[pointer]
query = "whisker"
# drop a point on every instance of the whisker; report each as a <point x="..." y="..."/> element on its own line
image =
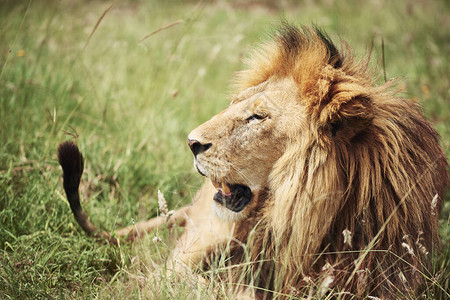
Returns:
<point x="246" y="180"/>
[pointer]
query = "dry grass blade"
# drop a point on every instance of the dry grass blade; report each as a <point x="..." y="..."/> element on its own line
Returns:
<point x="383" y="59"/>
<point x="52" y="117"/>
<point x="73" y="134"/>
<point x="160" y="29"/>
<point x="96" y="25"/>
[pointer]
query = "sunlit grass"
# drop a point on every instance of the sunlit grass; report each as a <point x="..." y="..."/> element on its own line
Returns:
<point x="131" y="104"/>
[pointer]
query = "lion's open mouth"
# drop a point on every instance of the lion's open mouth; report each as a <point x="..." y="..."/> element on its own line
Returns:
<point x="233" y="196"/>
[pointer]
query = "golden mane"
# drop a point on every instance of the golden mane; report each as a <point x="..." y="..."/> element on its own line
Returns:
<point x="361" y="195"/>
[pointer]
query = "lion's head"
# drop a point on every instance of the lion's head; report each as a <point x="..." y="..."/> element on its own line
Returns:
<point x="238" y="148"/>
<point x="310" y="148"/>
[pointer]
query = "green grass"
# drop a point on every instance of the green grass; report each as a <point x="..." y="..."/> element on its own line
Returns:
<point x="131" y="104"/>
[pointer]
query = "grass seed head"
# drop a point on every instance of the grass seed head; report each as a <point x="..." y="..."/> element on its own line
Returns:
<point x="347" y="237"/>
<point x="162" y="204"/>
<point x="434" y="203"/>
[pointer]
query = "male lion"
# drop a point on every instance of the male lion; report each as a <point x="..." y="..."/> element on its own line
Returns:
<point x="316" y="175"/>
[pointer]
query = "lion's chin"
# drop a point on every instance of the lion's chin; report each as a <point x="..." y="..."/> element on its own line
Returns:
<point x="234" y="197"/>
<point x="225" y="214"/>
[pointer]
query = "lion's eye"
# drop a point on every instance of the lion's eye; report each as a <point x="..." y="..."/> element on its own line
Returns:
<point x="255" y="117"/>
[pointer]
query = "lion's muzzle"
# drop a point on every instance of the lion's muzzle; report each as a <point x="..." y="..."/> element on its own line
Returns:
<point x="234" y="197"/>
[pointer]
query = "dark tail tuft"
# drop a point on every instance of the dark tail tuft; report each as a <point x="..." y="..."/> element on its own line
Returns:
<point x="72" y="163"/>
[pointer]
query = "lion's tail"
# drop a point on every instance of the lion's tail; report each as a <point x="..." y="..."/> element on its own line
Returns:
<point x="72" y="163"/>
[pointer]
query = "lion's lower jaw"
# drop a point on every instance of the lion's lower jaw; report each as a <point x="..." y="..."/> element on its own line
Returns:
<point x="226" y="214"/>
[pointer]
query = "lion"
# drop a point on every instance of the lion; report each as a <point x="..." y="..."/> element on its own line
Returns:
<point x="314" y="174"/>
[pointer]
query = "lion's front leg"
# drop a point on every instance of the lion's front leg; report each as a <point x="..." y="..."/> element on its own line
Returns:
<point x="139" y="229"/>
<point x="204" y="232"/>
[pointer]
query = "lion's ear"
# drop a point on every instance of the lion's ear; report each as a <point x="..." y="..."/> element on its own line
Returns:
<point x="346" y="114"/>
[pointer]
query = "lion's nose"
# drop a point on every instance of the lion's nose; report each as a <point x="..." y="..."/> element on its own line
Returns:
<point x="197" y="147"/>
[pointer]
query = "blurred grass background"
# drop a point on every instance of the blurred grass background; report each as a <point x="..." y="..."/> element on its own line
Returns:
<point x="130" y="104"/>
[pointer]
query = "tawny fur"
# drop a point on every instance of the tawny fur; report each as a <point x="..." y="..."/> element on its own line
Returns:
<point x="347" y="178"/>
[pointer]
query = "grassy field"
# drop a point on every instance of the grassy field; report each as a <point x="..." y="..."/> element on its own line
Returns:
<point x="130" y="102"/>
